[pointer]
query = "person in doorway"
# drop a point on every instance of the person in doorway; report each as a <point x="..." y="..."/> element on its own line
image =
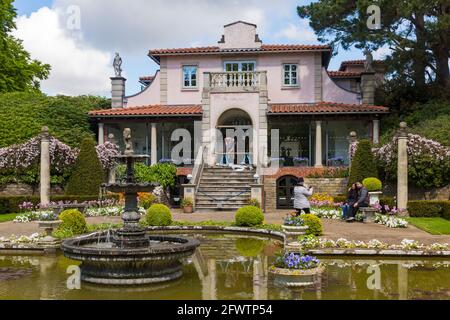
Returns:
<point x="362" y="202"/>
<point x="301" y="194"/>
<point x="352" y="197"/>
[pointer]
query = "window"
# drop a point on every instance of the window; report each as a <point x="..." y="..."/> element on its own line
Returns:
<point x="240" y="66"/>
<point x="190" y="77"/>
<point x="290" y="75"/>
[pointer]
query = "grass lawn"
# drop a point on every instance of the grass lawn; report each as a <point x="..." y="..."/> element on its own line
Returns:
<point x="435" y="226"/>
<point x="7" y="217"/>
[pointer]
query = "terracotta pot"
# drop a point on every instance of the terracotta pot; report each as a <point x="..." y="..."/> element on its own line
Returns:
<point x="188" y="209"/>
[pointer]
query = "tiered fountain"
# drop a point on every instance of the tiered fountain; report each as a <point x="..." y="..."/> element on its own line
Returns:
<point x="129" y="256"/>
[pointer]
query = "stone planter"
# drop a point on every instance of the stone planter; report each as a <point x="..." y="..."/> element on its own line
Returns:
<point x="292" y="233"/>
<point x="292" y="278"/>
<point x="49" y="226"/>
<point x="375" y="197"/>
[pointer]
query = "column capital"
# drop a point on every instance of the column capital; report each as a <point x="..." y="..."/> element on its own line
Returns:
<point x="45" y="134"/>
<point x="402" y="132"/>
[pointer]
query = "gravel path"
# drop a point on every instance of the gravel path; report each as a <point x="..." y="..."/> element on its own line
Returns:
<point x="333" y="229"/>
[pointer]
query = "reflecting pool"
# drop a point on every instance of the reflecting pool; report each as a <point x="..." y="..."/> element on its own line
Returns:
<point x="236" y="267"/>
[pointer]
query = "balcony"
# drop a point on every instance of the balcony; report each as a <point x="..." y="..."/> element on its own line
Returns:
<point x="236" y="81"/>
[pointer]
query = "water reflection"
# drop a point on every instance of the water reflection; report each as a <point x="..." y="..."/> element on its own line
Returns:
<point x="234" y="267"/>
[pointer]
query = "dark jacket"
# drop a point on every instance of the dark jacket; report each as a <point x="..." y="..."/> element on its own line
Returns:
<point x="363" y="197"/>
<point x="352" y="196"/>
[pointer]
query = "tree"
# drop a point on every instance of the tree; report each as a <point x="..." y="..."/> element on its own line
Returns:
<point x="418" y="32"/>
<point x="18" y="71"/>
<point x="88" y="174"/>
<point x="363" y="164"/>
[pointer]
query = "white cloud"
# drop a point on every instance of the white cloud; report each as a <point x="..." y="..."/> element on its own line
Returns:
<point x="382" y="53"/>
<point x="300" y="33"/>
<point x="76" y="67"/>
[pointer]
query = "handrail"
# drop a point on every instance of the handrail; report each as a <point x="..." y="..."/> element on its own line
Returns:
<point x="199" y="166"/>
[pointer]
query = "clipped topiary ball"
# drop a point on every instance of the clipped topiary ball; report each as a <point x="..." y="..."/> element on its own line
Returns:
<point x="249" y="216"/>
<point x="372" y="184"/>
<point x="314" y="223"/>
<point x="158" y="215"/>
<point x="73" y="221"/>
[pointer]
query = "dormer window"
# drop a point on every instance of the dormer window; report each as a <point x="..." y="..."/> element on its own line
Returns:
<point x="290" y="75"/>
<point x="190" y="77"/>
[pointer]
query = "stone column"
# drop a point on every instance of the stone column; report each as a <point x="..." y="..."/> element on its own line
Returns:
<point x="402" y="175"/>
<point x="353" y="140"/>
<point x="368" y="87"/>
<point x="118" y="92"/>
<point x="189" y="192"/>
<point x="45" y="167"/>
<point x="257" y="191"/>
<point x="112" y="171"/>
<point x="376" y="131"/>
<point x="319" y="145"/>
<point x="101" y="133"/>
<point x="154" y="145"/>
<point x="402" y="277"/>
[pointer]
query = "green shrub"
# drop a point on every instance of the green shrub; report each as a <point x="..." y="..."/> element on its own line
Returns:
<point x="248" y="247"/>
<point x="158" y="215"/>
<point x="72" y="221"/>
<point x="146" y="200"/>
<point x="249" y="216"/>
<point x="340" y="198"/>
<point x="425" y="209"/>
<point x="363" y="164"/>
<point x="314" y="223"/>
<point x="372" y="184"/>
<point x="88" y="174"/>
<point x="446" y="210"/>
<point x="188" y="202"/>
<point x="388" y="201"/>
<point x="163" y="173"/>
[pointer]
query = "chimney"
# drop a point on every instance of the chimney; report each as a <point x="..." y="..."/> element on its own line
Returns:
<point x="368" y="85"/>
<point x="118" y="92"/>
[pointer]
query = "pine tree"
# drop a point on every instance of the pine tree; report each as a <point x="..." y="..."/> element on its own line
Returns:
<point x="363" y="165"/>
<point x="88" y="174"/>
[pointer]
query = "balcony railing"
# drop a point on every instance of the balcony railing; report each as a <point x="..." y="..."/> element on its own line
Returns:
<point x="230" y="81"/>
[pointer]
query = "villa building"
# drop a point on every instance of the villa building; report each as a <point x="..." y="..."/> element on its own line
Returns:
<point x="245" y="85"/>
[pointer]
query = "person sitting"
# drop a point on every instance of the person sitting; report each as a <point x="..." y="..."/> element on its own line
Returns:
<point x="362" y="202"/>
<point x="352" y="197"/>
<point x="301" y="194"/>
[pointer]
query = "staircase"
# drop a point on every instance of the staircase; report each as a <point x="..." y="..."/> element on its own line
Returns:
<point x="221" y="188"/>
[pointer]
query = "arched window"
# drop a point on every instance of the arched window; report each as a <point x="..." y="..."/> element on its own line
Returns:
<point x="285" y="192"/>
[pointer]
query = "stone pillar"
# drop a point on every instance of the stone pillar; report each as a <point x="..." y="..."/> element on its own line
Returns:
<point x="353" y="140"/>
<point x="45" y="167"/>
<point x="118" y="92"/>
<point x="257" y="193"/>
<point x="112" y="171"/>
<point x="101" y="133"/>
<point x="402" y="175"/>
<point x="368" y="88"/>
<point x="154" y="145"/>
<point x="189" y="192"/>
<point x="319" y="145"/>
<point x="376" y="131"/>
<point x="402" y="278"/>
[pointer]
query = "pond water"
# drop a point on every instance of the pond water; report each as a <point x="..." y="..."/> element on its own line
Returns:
<point x="236" y="267"/>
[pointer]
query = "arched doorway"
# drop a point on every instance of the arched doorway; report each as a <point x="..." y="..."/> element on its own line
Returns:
<point x="285" y="192"/>
<point x="234" y="144"/>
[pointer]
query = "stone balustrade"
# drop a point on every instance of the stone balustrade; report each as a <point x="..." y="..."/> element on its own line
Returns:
<point x="248" y="80"/>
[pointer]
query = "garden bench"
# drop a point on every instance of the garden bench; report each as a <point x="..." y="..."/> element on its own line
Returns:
<point x="369" y="213"/>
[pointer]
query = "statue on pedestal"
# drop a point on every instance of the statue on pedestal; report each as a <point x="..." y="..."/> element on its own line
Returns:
<point x="127" y="141"/>
<point x="117" y="64"/>
<point x="368" y="64"/>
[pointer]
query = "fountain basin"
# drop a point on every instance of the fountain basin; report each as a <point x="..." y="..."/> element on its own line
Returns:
<point x="108" y="264"/>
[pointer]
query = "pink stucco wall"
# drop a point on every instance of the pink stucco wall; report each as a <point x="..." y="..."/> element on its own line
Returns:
<point x="333" y="93"/>
<point x="150" y="96"/>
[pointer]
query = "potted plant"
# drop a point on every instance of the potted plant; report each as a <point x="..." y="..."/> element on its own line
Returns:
<point x="296" y="269"/>
<point x="294" y="227"/>
<point x="374" y="186"/>
<point x="187" y="205"/>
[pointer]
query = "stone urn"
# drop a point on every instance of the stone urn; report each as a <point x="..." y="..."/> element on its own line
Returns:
<point x="293" y="278"/>
<point x="375" y="197"/>
<point x="292" y="233"/>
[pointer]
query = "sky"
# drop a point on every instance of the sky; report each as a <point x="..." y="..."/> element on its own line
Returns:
<point x="78" y="38"/>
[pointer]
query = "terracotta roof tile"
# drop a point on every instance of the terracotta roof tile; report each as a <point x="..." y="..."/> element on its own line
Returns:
<point x="325" y="108"/>
<point x="343" y="74"/>
<point x="264" y="48"/>
<point x="147" y="78"/>
<point x="357" y="63"/>
<point x="155" y="110"/>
